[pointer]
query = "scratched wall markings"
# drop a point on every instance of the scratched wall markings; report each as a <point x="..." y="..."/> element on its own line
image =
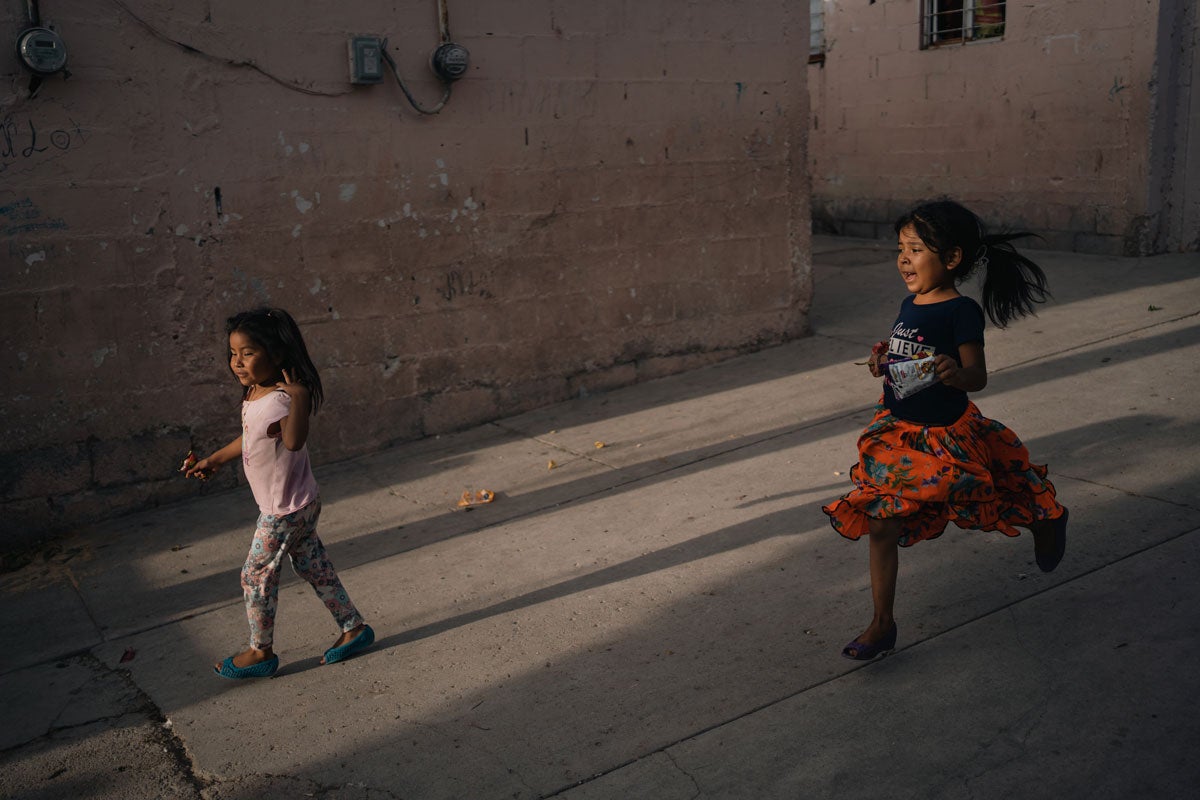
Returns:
<point x="462" y="284"/>
<point x="23" y="140"/>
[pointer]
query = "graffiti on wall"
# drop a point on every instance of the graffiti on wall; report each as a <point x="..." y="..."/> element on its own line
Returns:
<point x="462" y="284"/>
<point x="23" y="216"/>
<point x="24" y="140"/>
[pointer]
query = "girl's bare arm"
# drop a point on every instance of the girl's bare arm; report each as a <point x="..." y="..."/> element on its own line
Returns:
<point x="971" y="376"/>
<point x="206" y="466"/>
<point x="294" y="427"/>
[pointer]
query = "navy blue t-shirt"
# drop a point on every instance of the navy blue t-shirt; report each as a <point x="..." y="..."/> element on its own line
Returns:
<point x="933" y="329"/>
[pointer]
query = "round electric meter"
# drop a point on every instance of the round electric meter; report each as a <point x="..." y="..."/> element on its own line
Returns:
<point x="42" y="50"/>
<point x="450" y="61"/>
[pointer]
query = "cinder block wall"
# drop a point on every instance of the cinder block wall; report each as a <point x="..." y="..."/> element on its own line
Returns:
<point x="1047" y="128"/>
<point x="616" y="191"/>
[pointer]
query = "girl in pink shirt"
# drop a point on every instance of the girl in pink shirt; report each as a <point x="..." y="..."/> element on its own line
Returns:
<point x="280" y="390"/>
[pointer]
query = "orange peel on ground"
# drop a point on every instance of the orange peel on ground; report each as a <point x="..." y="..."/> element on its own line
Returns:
<point x="480" y="497"/>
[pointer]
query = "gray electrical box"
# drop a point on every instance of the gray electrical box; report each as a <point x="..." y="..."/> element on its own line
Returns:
<point x="366" y="59"/>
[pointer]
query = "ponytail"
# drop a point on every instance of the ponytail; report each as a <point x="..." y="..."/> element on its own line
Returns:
<point x="1012" y="285"/>
<point x="275" y="331"/>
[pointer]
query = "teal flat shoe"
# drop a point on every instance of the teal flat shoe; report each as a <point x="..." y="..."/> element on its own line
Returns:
<point x="263" y="669"/>
<point x="365" y="639"/>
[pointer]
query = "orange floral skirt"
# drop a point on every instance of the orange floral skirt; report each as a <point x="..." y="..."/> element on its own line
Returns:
<point x="974" y="472"/>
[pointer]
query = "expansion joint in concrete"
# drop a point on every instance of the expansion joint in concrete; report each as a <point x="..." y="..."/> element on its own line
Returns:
<point x="1129" y="493"/>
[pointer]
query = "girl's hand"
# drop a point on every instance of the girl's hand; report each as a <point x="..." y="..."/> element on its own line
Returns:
<point x="876" y="363"/>
<point x="202" y="469"/>
<point x="946" y="368"/>
<point x="971" y="376"/>
<point x="205" y="467"/>
<point x="294" y="389"/>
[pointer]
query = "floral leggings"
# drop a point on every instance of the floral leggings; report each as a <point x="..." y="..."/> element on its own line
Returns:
<point x="294" y="535"/>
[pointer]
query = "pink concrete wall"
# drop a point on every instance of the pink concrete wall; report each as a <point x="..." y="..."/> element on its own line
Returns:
<point x="616" y="191"/>
<point x="1048" y="127"/>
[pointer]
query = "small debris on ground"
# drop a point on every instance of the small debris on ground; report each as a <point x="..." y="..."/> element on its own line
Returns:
<point x="476" y="498"/>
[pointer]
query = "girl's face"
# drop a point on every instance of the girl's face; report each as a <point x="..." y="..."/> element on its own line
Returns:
<point x="922" y="269"/>
<point x="250" y="362"/>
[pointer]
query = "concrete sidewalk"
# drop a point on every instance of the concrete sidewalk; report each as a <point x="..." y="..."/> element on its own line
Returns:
<point x="661" y="617"/>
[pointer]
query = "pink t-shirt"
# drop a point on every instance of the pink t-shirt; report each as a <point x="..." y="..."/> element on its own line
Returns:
<point x="281" y="479"/>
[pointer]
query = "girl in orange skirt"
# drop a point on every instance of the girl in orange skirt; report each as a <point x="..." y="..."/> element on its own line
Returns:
<point x="929" y="457"/>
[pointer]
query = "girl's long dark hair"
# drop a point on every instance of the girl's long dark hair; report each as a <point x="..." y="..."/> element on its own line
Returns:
<point x="1012" y="284"/>
<point x="274" y="330"/>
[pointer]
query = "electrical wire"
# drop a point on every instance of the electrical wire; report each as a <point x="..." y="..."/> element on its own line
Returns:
<point x="232" y="62"/>
<point x="404" y="88"/>
<point x="444" y="32"/>
<point x="443" y="22"/>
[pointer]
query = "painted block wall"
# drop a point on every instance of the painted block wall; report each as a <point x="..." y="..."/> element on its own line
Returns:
<point x="1047" y="128"/>
<point x="615" y="191"/>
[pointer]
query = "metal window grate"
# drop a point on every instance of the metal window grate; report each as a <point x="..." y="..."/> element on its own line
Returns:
<point x="957" y="21"/>
<point x="816" y="30"/>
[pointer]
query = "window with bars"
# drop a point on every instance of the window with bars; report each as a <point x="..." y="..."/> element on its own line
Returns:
<point x="957" y="21"/>
<point x="816" y="31"/>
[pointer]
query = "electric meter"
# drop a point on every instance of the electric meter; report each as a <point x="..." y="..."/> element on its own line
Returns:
<point x="449" y="61"/>
<point x="42" y="50"/>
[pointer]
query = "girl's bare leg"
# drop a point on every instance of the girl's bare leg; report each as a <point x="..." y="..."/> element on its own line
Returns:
<point x="884" y="544"/>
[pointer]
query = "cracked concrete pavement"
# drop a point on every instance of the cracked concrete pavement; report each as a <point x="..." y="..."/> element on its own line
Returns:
<point x="661" y="617"/>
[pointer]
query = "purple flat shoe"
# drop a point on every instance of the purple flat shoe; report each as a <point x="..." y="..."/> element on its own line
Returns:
<point x="861" y="651"/>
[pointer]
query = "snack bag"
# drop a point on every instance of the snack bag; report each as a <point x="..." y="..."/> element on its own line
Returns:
<point x="190" y="461"/>
<point x="911" y="376"/>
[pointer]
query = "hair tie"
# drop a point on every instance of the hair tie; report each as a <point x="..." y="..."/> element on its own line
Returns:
<point x="981" y="259"/>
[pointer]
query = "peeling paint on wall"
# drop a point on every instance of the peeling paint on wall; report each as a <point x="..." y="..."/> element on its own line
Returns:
<point x="1049" y="41"/>
<point x="98" y="356"/>
<point x="249" y="282"/>
<point x="303" y="205"/>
